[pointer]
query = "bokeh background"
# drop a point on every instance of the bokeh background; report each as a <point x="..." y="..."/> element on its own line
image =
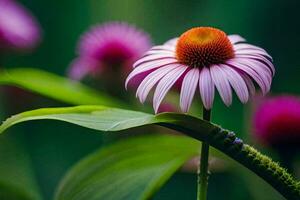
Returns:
<point x="50" y="148"/>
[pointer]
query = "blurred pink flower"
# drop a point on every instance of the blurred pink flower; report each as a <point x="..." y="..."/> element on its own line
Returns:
<point x="19" y="30"/>
<point x="203" y="58"/>
<point x="277" y="121"/>
<point x="166" y="107"/>
<point x="113" y="47"/>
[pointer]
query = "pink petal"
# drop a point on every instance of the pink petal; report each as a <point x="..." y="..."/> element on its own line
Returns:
<point x="252" y="52"/>
<point x="237" y="83"/>
<point x="221" y="82"/>
<point x="258" y="64"/>
<point x="136" y="80"/>
<point x="108" y="37"/>
<point x="249" y="83"/>
<point x="261" y="59"/>
<point x="207" y="88"/>
<point x="235" y="39"/>
<point x="252" y="73"/>
<point x="165" y="85"/>
<point x="171" y="42"/>
<point x="260" y="68"/>
<point x="151" y="58"/>
<point x="81" y="67"/>
<point x="149" y="81"/>
<point x="188" y="89"/>
<point x="148" y="66"/>
<point x="247" y="46"/>
<point x="163" y="47"/>
<point x="161" y="52"/>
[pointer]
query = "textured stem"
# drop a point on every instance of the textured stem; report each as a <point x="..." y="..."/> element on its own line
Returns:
<point x="227" y="142"/>
<point x="260" y="164"/>
<point x="203" y="173"/>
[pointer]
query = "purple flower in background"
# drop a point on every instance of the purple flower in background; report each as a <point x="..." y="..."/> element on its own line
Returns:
<point x="166" y="107"/>
<point x="111" y="47"/>
<point x="276" y="121"/>
<point x="19" y="30"/>
<point x="203" y="58"/>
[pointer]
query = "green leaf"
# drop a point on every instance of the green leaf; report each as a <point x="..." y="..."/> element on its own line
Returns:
<point x="112" y="119"/>
<point x="17" y="179"/>
<point x="130" y="169"/>
<point x="94" y="117"/>
<point x="56" y="87"/>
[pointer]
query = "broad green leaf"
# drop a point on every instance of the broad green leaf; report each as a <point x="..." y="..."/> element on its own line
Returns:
<point x="17" y="180"/>
<point x="94" y="117"/>
<point x="56" y="87"/>
<point x="130" y="169"/>
<point x="112" y="119"/>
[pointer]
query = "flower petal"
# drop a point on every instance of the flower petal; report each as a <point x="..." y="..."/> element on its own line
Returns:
<point x="159" y="51"/>
<point x="151" y="58"/>
<point x="188" y="89"/>
<point x="237" y="63"/>
<point x="171" y="42"/>
<point x="81" y="67"/>
<point x="249" y="83"/>
<point x="165" y="85"/>
<point x="237" y="83"/>
<point x="98" y="39"/>
<point x="149" y="81"/>
<point x="148" y="66"/>
<point x="163" y="47"/>
<point x="235" y="39"/>
<point x="259" y="64"/>
<point x="261" y="69"/>
<point x="207" y="88"/>
<point x="252" y="52"/>
<point x="221" y="82"/>
<point x="261" y="59"/>
<point x="240" y="46"/>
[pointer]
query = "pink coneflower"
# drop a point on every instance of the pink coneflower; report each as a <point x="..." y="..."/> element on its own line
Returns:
<point x="110" y="47"/>
<point x="276" y="121"/>
<point x="19" y="30"/>
<point x="203" y="58"/>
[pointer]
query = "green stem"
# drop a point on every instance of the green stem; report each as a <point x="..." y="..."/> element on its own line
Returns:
<point x="227" y="142"/>
<point x="203" y="173"/>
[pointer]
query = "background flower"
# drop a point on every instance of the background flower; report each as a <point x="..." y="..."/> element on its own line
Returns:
<point x="110" y="48"/>
<point x="19" y="30"/>
<point x="167" y="107"/>
<point x="276" y="121"/>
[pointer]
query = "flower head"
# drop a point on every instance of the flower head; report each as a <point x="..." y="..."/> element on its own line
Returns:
<point x="19" y="30"/>
<point x="277" y="121"/>
<point x="203" y="58"/>
<point x="113" y="46"/>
